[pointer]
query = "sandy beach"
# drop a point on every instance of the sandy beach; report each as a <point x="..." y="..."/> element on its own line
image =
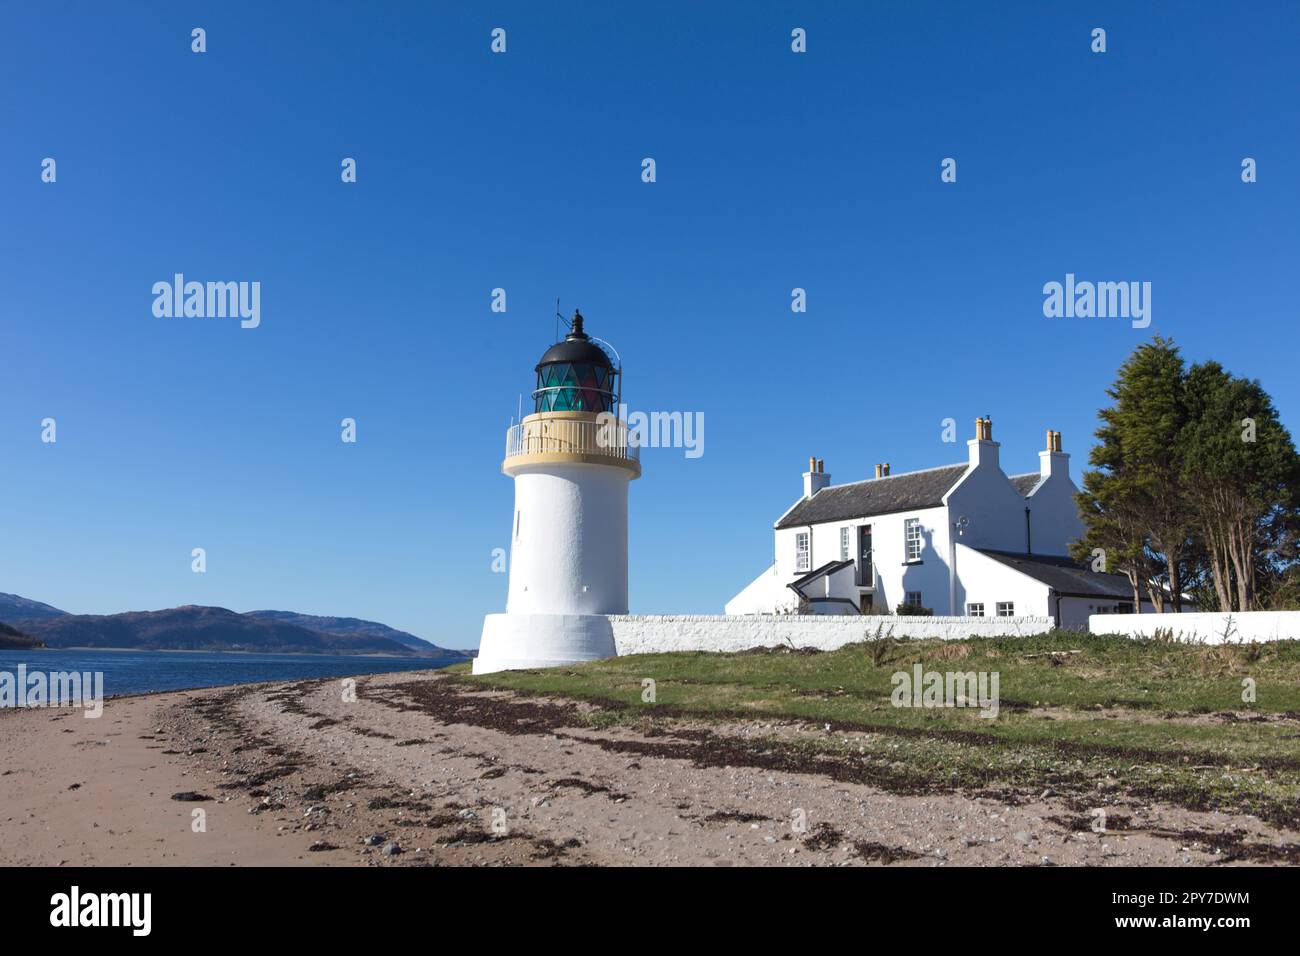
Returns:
<point x="421" y="769"/>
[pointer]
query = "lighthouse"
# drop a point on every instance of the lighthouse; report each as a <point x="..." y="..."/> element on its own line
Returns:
<point x="572" y="462"/>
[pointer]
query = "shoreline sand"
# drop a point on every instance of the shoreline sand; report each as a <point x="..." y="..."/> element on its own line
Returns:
<point x="422" y="769"/>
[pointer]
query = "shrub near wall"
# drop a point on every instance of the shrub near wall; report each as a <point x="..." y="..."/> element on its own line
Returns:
<point x="657" y="634"/>
<point x="1201" y="627"/>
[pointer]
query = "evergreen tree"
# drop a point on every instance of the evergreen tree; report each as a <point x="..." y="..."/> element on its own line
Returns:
<point x="1113" y="540"/>
<point x="1241" y="473"/>
<point x="1196" y="488"/>
<point x="1136" y="501"/>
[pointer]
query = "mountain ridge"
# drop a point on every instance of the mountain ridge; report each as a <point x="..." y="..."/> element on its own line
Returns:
<point x="192" y="627"/>
<point x="12" y="639"/>
<point x="14" y="607"/>
<point x="330" y="624"/>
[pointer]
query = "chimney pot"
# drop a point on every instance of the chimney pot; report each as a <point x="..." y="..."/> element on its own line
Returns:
<point x="816" y="478"/>
<point x="1053" y="461"/>
<point x="884" y="470"/>
<point x="983" y="449"/>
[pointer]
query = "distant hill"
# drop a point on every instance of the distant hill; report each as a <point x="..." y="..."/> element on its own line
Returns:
<point x="354" y="627"/>
<point x="15" y="608"/>
<point x="12" y="639"/>
<point x="195" y="628"/>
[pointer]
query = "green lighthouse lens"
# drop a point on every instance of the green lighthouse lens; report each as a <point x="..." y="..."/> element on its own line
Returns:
<point x="574" y="387"/>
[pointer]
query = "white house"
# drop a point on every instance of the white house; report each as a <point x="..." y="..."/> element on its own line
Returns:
<point x="961" y="539"/>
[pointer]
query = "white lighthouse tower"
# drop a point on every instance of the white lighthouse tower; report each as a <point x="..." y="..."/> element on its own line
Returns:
<point x="572" y="462"/>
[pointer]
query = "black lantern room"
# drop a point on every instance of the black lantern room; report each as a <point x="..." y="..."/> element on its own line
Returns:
<point x="576" y="375"/>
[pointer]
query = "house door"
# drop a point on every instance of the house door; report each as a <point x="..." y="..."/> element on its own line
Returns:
<point x="866" y="570"/>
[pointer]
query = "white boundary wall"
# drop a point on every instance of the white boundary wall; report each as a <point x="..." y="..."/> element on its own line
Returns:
<point x="1200" y="627"/>
<point x="658" y="634"/>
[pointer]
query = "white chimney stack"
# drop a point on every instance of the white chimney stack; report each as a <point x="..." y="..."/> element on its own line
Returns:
<point x="1052" y="461"/>
<point x="815" y="478"/>
<point x="983" y="449"/>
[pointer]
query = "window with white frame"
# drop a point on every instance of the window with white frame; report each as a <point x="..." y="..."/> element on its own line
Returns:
<point x="845" y="538"/>
<point x="1006" y="609"/>
<point x="975" y="610"/>
<point x="912" y="598"/>
<point x="912" y="535"/>
<point x="801" y="551"/>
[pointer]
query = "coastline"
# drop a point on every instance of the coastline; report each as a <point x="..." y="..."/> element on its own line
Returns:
<point x="450" y="773"/>
<point x="131" y="672"/>
<point x="90" y="649"/>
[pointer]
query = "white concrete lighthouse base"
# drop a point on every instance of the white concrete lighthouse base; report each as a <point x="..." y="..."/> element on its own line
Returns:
<point x="524" y="641"/>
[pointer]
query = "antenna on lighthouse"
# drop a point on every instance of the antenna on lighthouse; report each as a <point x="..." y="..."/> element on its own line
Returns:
<point x="559" y="317"/>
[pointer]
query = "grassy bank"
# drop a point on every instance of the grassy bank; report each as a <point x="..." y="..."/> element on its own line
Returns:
<point x="1103" y="719"/>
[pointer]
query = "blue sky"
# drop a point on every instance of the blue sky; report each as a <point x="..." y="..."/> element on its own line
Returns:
<point x="522" y="171"/>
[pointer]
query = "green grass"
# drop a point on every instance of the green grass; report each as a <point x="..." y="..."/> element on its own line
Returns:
<point x="1145" y="719"/>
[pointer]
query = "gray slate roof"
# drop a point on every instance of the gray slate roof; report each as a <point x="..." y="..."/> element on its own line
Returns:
<point x="1065" y="575"/>
<point x="830" y="567"/>
<point x="875" y="496"/>
<point x="1024" y="484"/>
